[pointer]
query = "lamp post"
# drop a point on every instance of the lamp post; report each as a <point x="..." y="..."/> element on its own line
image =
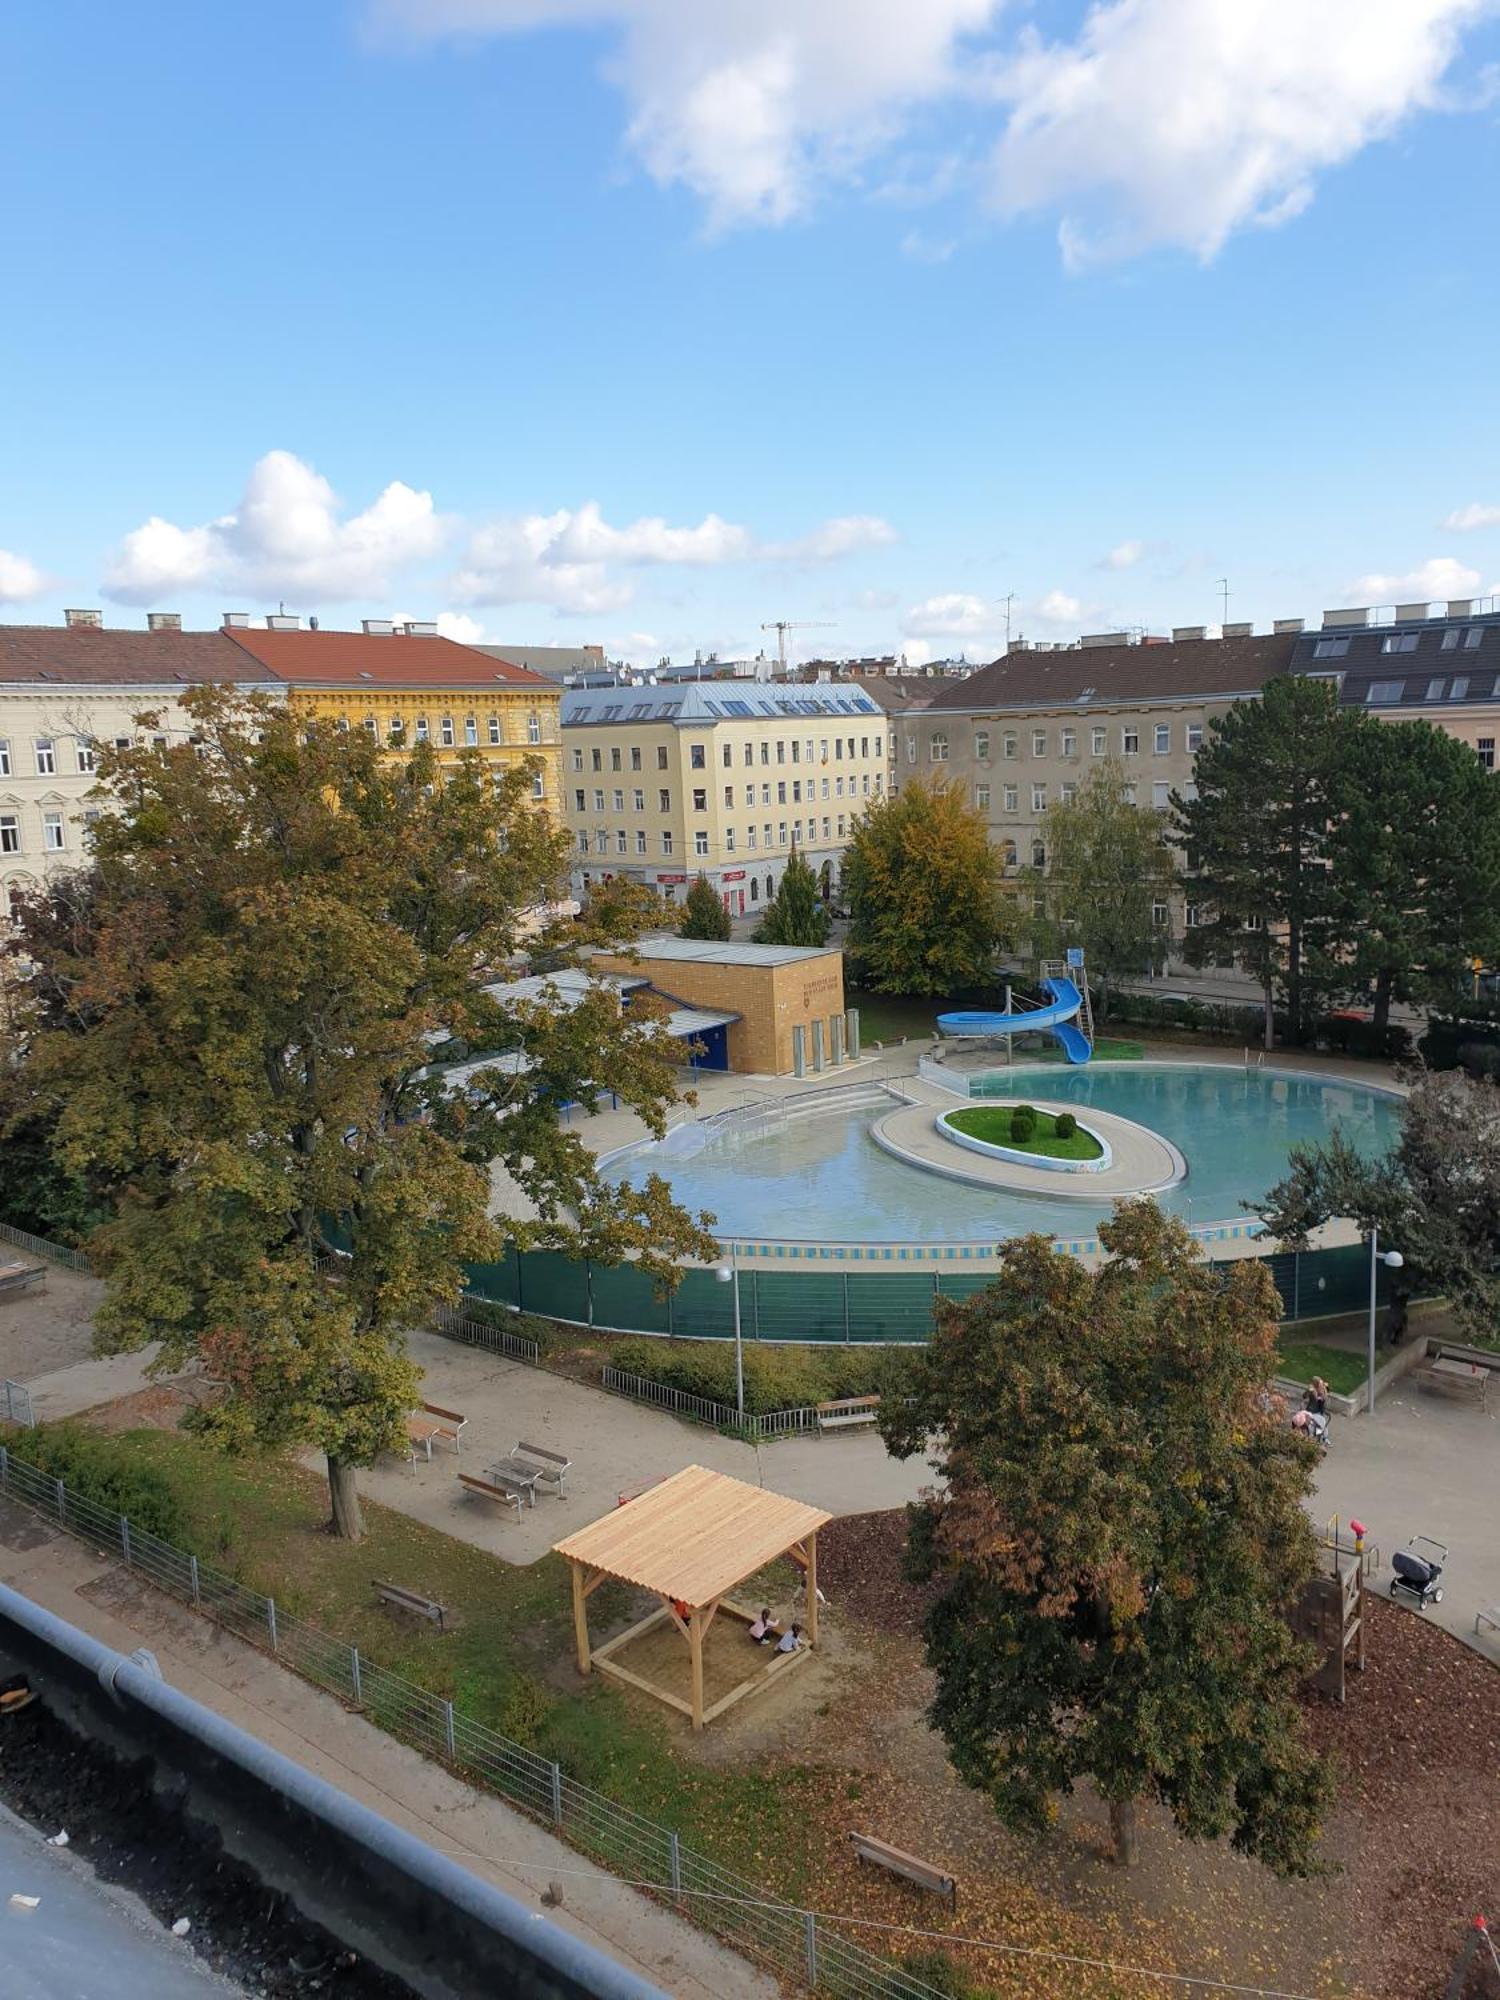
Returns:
<point x="728" y="1272"/>
<point x="1393" y="1260"/>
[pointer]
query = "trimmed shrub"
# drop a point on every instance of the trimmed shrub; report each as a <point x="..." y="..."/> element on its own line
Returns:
<point x="1023" y="1123"/>
<point x="101" y="1468"/>
<point x="1066" y="1126"/>
<point x="777" y="1377"/>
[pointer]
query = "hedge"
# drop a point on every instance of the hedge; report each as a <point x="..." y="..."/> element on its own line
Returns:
<point x="776" y="1377"/>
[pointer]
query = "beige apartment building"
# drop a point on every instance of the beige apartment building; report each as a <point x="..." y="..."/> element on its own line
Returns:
<point x="1021" y="735"/>
<point x="663" y="782"/>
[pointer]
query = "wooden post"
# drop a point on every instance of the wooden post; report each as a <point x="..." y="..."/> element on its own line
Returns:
<point x="581" y="1620"/>
<point x="695" y="1642"/>
<point x="812" y="1590"/>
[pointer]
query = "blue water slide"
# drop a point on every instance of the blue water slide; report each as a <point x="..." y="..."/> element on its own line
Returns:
<point x="1065" y="1002"/>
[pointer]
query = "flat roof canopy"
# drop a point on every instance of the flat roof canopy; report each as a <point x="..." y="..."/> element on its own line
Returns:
<point x="695" y="1536"/>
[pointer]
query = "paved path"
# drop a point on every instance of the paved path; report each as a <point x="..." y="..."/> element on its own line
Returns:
<point x="613" y="1444"/>
<point x="259" y="1695"/>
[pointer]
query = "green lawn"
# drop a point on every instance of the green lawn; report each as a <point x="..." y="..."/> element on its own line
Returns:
<point x="509" y="1660"/>
<point x="993" y="1124"/>
<point x="1342" y="1368"/>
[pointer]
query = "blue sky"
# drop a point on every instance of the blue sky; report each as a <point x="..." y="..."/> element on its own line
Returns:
<point x="644" y="322"/>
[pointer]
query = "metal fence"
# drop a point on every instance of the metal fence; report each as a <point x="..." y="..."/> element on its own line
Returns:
<point x="42" y="1246"/>
<point x="796" y="1944"/>
<point x="15" y="1403"/>
<point x="473" y="1332"/>
<point x="703" y="1410"/>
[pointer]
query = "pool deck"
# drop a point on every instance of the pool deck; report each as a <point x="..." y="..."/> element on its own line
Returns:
<point x="1142" y="1161"/>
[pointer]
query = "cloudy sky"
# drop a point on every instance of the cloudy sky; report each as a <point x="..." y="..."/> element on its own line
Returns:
<point x="647" y="321"/>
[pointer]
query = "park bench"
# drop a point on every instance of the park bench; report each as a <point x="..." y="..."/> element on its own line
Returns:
<point x="411" y="1600"/>
<point x="1490" y="1618"/>
<point x="554" y="1465"/>
<point x="433" y="1421"/>
<point x="1454" y="1378"/>
<point x="925" y="1874"/>
<point x="847" y="1413"/>
<point x="503" y="1491"/>
<point x="17" y="1278"/>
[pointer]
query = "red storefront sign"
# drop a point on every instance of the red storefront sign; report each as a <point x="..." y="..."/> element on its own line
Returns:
<point x="671" y="878"/>
<point x="733" y="875"/>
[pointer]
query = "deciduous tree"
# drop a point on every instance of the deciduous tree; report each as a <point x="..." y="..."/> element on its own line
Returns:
<point x="1120" y="1535"/>
<point x="923" y="885"/>
<point x="703" y="911"/>
<point x="236" y="1039"/>
<point x="795" y="914"/>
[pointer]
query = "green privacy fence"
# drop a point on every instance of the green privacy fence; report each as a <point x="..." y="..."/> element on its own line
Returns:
<point x="828" y="1305"/>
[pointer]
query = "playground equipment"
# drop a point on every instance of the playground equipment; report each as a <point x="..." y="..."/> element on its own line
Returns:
<point x="1064" y="1007"/>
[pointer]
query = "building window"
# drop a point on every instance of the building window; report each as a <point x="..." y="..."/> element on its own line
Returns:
<point x="533" y="729"/>
<point x="729" y="840"/>
<point x="700" y="843"/>
<point x="1190" y="916"/>
<point x="88" y="756"/>
<point x="445" y="732"/>
<point x="1130" y="795"/>
<point x="795" y="748"/>
<point x="1385" y="694"/>
<point x="617" y="759"/>
<point x="622" y="845"/>
<point x="750" y="837"/>
<point x="1038" y="742"/>
<point x="539" y="786"/>
<point x="596" y="760"/>
<point x="841" y="787"/>
<point x="635" y="756"/>
<point x="46" y="757"/>
<point x="937" y="749"/>
<point x="1330" y="649"/>
<point x="781" y="791"/>
<point x="911" y="749"/>
<point x="1038" y="854"/>
<point x="471" y="732"/>
<point x="841" y="826"/>
<point x="52" y="832"/>
<point x="1012" y="798"/>
<point x="619" y="800"/>
<point x="1162" y="741"/>
<point x="664" y="801"/>
<point x="577" y="760"/>
<point x="729" y="798"/>
<point x="754" y="879"/>
<point x="781" y="834"/>
<point x="698" y="756"/>
<point x="5" y="756"/>
<point x="1097" y="741"/>
<point x="578" y="799"/>
<point x="421" y="728"/>
<point x="1161" y="795"/>
<point x="1473" y="638"/>
<point x="640" y="840"/>
<point x="1130" y="742"/>
<point x="1070" y="743"/>
<point x="10" y="833"/>
<point x="495" y="737"/>
<point x="1008" y="743"/>
<point x="797" y="791"/>
<point x="666" y="844"/>
<point x="728" y="755"/>
<point x="1485" y="748"/>
<point x="638" y="799"/>
<point x="1068" y="792"/>
<point x="1436" y="690"/>
<point x="1458" y="688"/>
<point x="749" y="753"/>
<point x="981" y="798"/>
<point x="982" y="745"/>
<point x="765" y="752"/>
<point x="598" y="799"/>
<point x="1038" y="798"/>
<point x="700" y="801"/>
<point x="1193" y="736"/>
<point x="661" y="757"/>
<point x="1159" y="915"/>
<point x="1399" y="642"/>
<point x="583" y="843"/>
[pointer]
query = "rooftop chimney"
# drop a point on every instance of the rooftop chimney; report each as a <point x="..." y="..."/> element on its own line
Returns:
<point x="1405" y="613"/>
<point x="1460" y="607"/>
<point x="377" y="628"/>
<point x="163" y="621"/>
<point x="1286" y="625"/>
<point x="1243" y="631"/>
<point x="282" y="621"/>
<point x="1181" y="632"/>
<point x="421" y="628"/>
<point x="80" y="618"/>
<point x="236" y="621"/>
<point x="1358" y="614"/>
<point x="1105" y="639"/>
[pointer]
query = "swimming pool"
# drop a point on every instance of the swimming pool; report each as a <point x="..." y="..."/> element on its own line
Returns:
<point x="817" y="1175"/>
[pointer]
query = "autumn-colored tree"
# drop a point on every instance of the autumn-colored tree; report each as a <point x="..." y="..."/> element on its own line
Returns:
<point x="795" y="914"/>
<point x="703" y="911"/>
<point x="1120" y="1534"/>
<point x="923" y="887"/>
<point x="234" y="1033"/>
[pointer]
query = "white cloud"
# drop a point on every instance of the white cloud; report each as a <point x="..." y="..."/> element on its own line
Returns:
<point x="1476" y="515"/>
<point x="925" y="249"/>
<point x="954" y="615"/>
<point x="1439" y="576"/>
<point x="1177" y="122"/>
<point x="564" y="559"/>
<point x="1158" y="122"/>
<point x="1124" y="555"/>
<point x="19" y="578"/>
<point x="285" y="539"/>
<point x="754" y="104"/>
<point x="458" y="626"/>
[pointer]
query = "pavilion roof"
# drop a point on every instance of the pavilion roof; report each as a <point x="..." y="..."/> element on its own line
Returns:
<point x="695" y="1536"/>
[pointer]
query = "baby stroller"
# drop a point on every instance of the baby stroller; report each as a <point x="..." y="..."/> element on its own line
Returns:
<point x="1419" y="1570"/>
<point x="1310" y="1424"/>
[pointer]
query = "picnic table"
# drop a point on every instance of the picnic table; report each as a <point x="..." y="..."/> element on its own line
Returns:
<point x="519" y="1473"/>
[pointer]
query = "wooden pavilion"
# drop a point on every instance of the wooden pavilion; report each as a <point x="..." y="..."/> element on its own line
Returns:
<point x="689" y="1540"/>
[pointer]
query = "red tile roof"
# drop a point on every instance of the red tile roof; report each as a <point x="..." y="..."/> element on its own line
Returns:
<point x="97" y="656"/>
<point x="355" y="659"/>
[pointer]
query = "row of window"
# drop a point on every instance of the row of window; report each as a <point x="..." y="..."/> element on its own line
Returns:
<point x="46" y="755"/>
<point x="54" y="832"/>
<point x="447" y="729"/>
<point x="1010" y="795"/>
<point x="815" y="749"/>
<point x="1010" y="742"/>
<point x="857" y="789"/>
<point x="774" y="836"/>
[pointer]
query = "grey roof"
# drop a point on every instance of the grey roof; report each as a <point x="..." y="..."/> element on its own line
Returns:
<point x="565" y="987"/>
<point x="685" y="1022"/>
<point x="713" y="951"/>
<point x="1427" y="663"/>
<point x="1081" y="676"/>
<point x="700" y="704"/>
<point x="555" y="663"/>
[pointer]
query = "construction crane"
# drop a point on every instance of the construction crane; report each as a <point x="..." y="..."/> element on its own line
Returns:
<point x="781" y="626"/>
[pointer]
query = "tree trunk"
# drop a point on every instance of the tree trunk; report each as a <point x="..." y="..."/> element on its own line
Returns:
<point x="347" y="1522"/>
<point x="1122" y="1826"/>
<point x="1270" y="1014"/>
<point x="1381" y="1012"/>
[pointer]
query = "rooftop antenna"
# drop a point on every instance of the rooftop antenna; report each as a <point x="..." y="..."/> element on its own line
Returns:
<point x="1224" y="588"/>
<point x="1010" y="598"/>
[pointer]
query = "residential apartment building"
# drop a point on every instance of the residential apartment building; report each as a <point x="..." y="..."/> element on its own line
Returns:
<point x="1416" y="662"/>
<point x="389" y="678"/>
<point x="662" y="783"/>
<point x="1021" y="736"/>
<point x="66" y="692"/>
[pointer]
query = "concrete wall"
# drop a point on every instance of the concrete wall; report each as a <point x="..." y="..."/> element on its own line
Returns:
<point x="770" y="999"/>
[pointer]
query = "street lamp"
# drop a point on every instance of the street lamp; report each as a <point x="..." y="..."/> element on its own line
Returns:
<point x="728" y="1272"/>
<point x="1393" y="1260"/>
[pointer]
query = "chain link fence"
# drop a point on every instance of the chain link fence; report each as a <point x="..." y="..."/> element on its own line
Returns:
<point x="703" y="1409"/>
<point x="796" y="1944"/>
<point x="41" y="1246"/>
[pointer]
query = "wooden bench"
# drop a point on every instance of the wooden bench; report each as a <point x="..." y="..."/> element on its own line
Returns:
<point x="847" y="1413"/>
<point x="554" y="1465"/>
<point x="1454" y="1379"/>
<point x="450" y="1424"/>
<point x="925" y="1874"/>
<point x="411" y="1600"/>
<point x="499" y="1490"/>
<point x="1490" y="1618"/>
<point x="18" y="1278"/>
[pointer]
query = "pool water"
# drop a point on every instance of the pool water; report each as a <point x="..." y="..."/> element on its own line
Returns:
<point x="819" y="1176"/>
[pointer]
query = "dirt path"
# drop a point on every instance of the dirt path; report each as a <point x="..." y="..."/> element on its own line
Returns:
<point x="53" y="1328"/>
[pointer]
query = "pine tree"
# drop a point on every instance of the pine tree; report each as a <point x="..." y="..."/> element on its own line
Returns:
<point x="703" y="912"/>
<point x="795" y="914"/>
